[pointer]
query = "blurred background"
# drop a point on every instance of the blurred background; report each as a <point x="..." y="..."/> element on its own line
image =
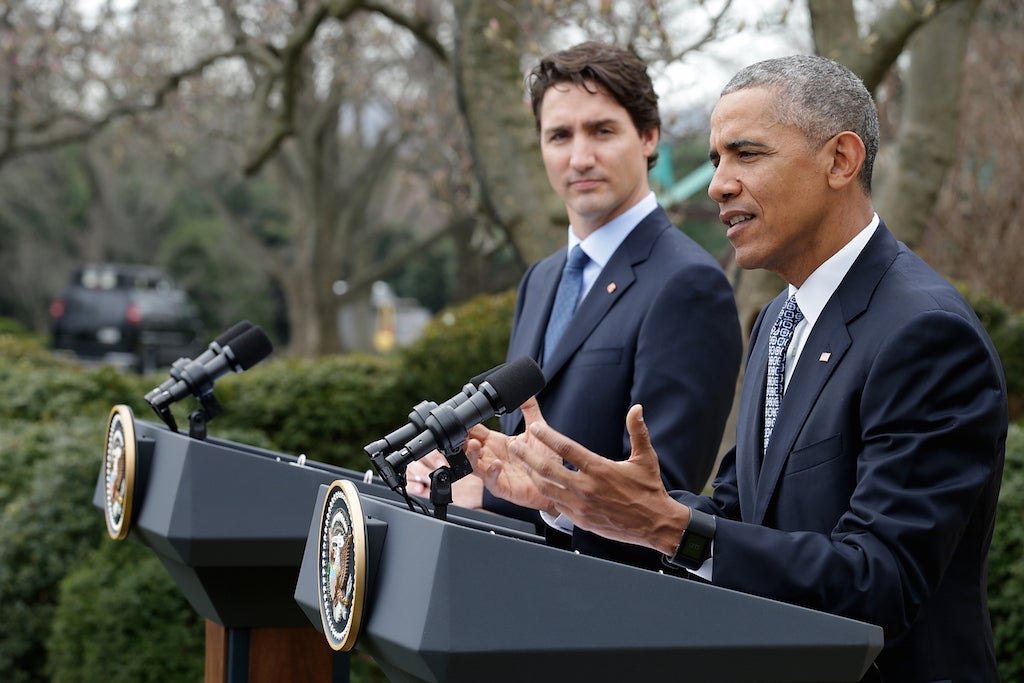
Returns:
<point x="362" y="179"/>
<point x="336" y="172"/>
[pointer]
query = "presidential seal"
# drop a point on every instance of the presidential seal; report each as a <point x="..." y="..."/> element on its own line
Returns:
<point x="342" y="565"/>
<point x="119" y="467"/>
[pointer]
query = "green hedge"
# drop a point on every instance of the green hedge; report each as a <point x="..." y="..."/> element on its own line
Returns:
<point x="118" y="600"/>
<point x="1006" y="563"/>
<point x="1006" y="328"/>
<point x="48" y="526"/>
<point x="79" y="607"/>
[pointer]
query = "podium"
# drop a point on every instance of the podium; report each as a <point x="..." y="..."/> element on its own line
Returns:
<point x="451" y="603"/>
<point x="475" y="597"/>
<point x="228" y="522"/>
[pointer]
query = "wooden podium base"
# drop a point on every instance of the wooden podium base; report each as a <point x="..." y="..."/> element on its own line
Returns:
<point x="271" y="655"/>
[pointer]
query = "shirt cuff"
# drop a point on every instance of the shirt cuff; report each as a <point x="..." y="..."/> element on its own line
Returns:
<point x="560" y="522"/>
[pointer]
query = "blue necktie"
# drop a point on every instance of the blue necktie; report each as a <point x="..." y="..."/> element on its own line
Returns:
<point x="566" y="298"/>
<point x="778" y="341"/>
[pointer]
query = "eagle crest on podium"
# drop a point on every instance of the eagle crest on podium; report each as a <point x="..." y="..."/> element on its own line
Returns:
<point x="342" y="570"/>
<point x="119" y="466"/>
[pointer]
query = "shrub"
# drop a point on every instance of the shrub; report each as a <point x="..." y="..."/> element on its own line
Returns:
<point x="331" y="407"/>
<point x="121" y="600"/>
<point x="1006" y="328"/>
<point x="1005" y="566"/>
<point x="458" y="344"/>
<point x="44" y="532"/>
<point x="327" y="408"/>
<point x="49" y="389"/>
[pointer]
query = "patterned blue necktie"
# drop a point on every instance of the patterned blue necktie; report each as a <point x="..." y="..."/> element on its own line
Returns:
<point x="778" y="341"/>
<point x="566" y="298"/>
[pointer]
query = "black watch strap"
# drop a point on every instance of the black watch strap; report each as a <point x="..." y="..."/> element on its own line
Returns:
<point x="695" y="545"/>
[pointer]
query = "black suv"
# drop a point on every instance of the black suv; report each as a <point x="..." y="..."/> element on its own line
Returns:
<point x="127" y="315"/>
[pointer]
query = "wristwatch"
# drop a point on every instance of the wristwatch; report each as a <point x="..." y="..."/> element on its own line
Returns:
<point x="695" y="545"/>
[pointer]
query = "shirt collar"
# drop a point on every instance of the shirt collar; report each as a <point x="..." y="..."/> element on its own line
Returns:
<point x="823" y="282"/>
<point x="602" y="243"/>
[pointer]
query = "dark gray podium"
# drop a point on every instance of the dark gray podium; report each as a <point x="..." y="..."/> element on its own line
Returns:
<point x="456" y="604"/>
<point x="475" y="598"/>
<point x="229" y="522"/>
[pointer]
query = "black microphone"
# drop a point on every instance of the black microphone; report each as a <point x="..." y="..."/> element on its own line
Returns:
<point x="506" y="388"/>
<point x="215" y="348"/>
<point x="418" y="417"/>
<point x="241" y="353"/>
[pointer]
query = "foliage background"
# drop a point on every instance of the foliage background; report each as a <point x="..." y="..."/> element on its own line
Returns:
<point x="63" y="582"/>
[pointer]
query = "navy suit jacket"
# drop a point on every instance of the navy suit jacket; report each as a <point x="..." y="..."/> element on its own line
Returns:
<point x="877" y="496"/>
<point x="658" y="327"/>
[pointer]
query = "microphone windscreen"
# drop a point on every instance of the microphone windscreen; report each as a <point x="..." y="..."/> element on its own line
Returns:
<point x="516" y="381"/>
<point x="227" y="335"/>
<point x="250" y="347"/>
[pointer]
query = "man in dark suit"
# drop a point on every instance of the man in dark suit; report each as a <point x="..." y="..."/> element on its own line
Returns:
<point x="873" y="413"/>
<point x="656" y="320"/>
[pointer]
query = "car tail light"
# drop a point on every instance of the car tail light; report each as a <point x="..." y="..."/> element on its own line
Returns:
<point x="57" y="309"/>
<point x="132" y="314"/>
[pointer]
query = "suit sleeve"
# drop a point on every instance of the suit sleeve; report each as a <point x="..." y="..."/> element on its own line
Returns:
<point x="927" y="457"/>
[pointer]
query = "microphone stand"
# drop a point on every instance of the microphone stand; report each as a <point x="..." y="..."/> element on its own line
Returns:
<point x="443" y="477"/>
<point x="209" y="408"/>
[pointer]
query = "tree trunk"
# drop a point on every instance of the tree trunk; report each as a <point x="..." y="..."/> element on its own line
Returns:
<point x="911" y="180"/>
<point x="503" y="146"/>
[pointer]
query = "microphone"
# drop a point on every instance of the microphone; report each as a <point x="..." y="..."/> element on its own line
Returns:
<point x="446" y="427"/>
<point x="420" y="412"/>
<point x="213" y="350"/>
<point x="241" y="353"/>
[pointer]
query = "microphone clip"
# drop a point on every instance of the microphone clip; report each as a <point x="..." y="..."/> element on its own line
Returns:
<point x="443" y="477"/>
<point x="209" y="408"/>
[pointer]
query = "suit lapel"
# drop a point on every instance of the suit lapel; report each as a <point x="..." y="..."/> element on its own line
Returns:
<point x="750" y="430"/>
<point x="823" y="351"/>
<point x="613" y="282"/>
<point x="830" y="337"/>
<point x="539" y="296"/>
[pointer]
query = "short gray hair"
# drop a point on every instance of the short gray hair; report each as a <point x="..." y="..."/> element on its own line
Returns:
<point x="820" y="97"/>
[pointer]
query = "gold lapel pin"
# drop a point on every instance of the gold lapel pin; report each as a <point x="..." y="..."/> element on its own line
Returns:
<point x="823" y="358"/>
<point x="611" y="287"/>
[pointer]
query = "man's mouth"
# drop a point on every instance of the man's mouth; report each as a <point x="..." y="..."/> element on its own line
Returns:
<point x="584" y="183"/>
<point x="735" y="221"/>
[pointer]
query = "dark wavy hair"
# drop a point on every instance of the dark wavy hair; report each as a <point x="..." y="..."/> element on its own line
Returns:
<point x="593" y="66"/>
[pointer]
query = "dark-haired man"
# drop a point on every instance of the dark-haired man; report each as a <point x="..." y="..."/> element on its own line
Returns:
<point x="651" y="317"/>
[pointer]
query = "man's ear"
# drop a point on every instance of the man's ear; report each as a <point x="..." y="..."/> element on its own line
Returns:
<point x="649" y="141"/>
<point x="847" y="150"/>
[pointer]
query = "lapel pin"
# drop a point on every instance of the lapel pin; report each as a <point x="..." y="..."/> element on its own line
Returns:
<point x="611" y="287"/>
<point x="823" y="358"/>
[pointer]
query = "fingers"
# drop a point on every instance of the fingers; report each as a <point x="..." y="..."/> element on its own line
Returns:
<point x="639" y="436"/>
<point x="542" y="457"/>
<point x="531" y="411"/>
<point x="564" y="448"/>
<point x="417" y="478"/>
